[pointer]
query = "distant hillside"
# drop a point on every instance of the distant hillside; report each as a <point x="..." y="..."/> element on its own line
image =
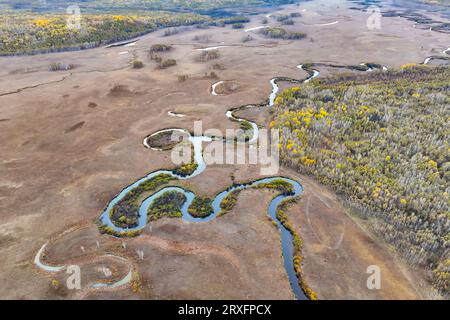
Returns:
<point x="104" y="5"/>
<point x="24" y="33"/>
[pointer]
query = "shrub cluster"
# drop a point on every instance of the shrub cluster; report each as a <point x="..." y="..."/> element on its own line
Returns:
<point x="280" y="33"/>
